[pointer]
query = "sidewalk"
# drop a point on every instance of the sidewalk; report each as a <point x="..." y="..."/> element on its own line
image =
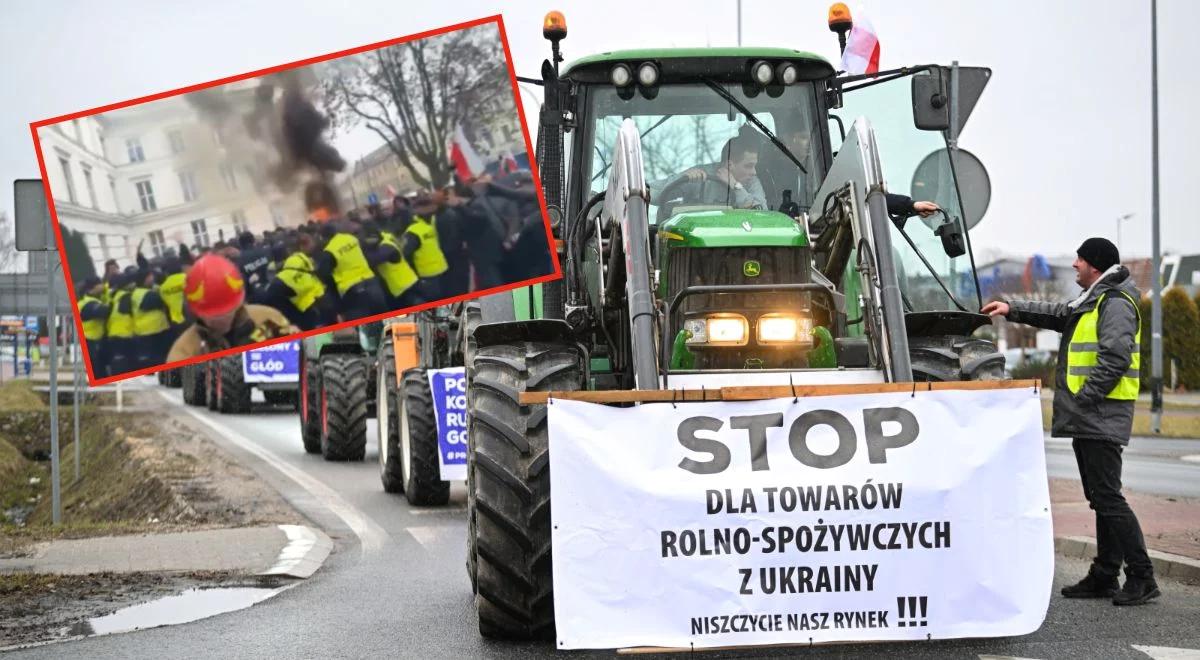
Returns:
<point x="291" y="550"/>
<point x="1171" y="526"/>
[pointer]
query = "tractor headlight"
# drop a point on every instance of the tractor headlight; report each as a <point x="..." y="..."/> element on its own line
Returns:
<point x="718" y="330"/>
<point x="784" y="329"/>
<point x="620" y="75"/>
<point x="647" y="74"/>
<point x="787" y="73"/>
<point x="762" y="72"/>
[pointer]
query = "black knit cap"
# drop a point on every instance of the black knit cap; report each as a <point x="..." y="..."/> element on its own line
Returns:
<point x="1100" y="253"/>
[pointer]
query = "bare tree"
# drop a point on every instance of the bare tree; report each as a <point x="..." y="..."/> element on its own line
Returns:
<point x="413" y="95"/>
<point x="9" y="257"/>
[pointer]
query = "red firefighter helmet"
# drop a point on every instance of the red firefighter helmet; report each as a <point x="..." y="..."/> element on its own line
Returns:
<point x="214" y="286"/>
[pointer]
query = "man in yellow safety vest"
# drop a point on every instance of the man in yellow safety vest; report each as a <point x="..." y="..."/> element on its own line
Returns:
<point x="343" y="265"/>
<point x="93" y="314"/>
<point x="118" y="333"/>
<point x="151" y="322"/>
<point x="1096" y="385"/>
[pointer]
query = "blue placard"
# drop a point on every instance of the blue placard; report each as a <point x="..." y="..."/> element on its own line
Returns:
<point x="31" y="323"/>
<point x="449" y="390"/>
<point x="372" y="198"/>
<point x="272" y="364"/>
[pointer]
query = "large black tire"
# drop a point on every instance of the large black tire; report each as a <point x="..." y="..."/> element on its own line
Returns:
<point x="955" y="358"/>
<point x="233" y="393"/>
<point x="193" y="385"/>
<point x="387" y="424"/>
<point x="173" y="378"/>
<point x="472" y="316"/>
<point x="509" y="447"/>
<point x="344" y="399"/>
<point x="423" y="485"/>
<point x="210" y="385"/>
<point x="310" y="405"/>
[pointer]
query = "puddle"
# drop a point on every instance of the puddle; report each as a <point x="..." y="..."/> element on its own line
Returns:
<point x="191" y="605"/>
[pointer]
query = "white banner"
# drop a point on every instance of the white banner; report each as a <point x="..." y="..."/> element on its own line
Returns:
<point x="859" y="517"/>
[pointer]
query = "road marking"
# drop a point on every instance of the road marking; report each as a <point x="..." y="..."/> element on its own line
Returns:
<point x="370" y="535"/>
<point x="1168" y="653"/>
<point x="304" y="553"/>
<point x="1003" y="657"/>
<point x="1191" y="458"/>
<point x="429" y="537"/>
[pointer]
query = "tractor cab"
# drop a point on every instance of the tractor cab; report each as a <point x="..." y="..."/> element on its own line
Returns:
<point x="769" y="244"/>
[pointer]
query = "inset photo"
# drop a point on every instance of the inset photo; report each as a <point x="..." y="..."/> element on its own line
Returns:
<point x="313" y="195"/>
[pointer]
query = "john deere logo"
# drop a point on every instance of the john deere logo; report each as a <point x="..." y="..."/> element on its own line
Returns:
<point x="751" y="268"/>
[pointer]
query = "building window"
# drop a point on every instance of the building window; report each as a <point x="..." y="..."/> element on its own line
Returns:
<point x="187" y="183"/>
<point x="157" y="242"/>
<point x="104" y="246"/>
<point x="239" y="221"/>
<point x="200" y="232"/>
<point x="112" y="185"/>
<point x="134" y="147"/>
<point x="176" y="138"/>
<point x="91" y="187"/>
<point x="78" y="135"/>
<point x="66" y="168"/>
<point x="277" y="217"/>
<point x="145" y="194"/>
<point x="217" y="137"/>
<point x="229" y="177"/>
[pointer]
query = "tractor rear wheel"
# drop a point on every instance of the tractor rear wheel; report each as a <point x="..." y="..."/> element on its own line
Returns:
<point x="387" y="425"/>
<point x="234" y="392"/>
<point x="472" y="316"/>
<point x="955" y="357"/>
<point x="343" y="407"/>
<point x="310" y="405"/>
<point x="193" y="385"/>
<point x="210" y="384"/>
<point x="423" y="485"/>
<point x="511" y="487"/>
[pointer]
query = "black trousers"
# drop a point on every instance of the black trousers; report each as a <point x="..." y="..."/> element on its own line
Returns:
<point x="1118" y="534"/>
<point x="362" y="300"/>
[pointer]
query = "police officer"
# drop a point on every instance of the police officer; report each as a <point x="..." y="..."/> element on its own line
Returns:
<point x="297" y="291"/>
<point x="392" y="255"/>
<point x="93" y="313"/>
<point x="216" y="295"/>
<point x="118" y="333"/>
<point x="171" y="291"/>
<point x="343" y="264"/>
<point x="255" y="262"/>
<point x="151" y="323"/>
<point x="427" y="258"/>
<point x="1096" y="385"/>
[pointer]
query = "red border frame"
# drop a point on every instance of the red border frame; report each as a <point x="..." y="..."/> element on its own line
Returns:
<point x="496" y="18"/>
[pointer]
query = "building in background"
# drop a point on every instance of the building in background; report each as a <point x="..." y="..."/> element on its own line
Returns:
<point x="162" y="174"/>
<point x="376" y="173"/>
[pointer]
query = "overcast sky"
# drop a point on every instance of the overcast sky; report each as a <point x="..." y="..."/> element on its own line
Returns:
<point x="1063" y="128"/>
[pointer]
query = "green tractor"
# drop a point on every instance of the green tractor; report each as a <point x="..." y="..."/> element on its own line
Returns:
<point x="687" y="267"/>
<point x="337" y="391"/>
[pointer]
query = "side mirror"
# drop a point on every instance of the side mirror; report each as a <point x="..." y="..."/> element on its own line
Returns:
<point x="932" y="95"/>
<point x="953" y="242"/>
<point x="931" y="101"/>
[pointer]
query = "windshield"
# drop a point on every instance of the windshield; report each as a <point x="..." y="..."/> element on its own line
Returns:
<point x="700" y="150"/>
<point x="903" y="149"/>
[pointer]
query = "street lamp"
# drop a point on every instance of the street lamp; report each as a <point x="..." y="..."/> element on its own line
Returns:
<point x="1119" y="221"/>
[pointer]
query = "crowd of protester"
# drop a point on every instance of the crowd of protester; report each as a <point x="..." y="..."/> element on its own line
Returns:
<point x="424" y="248"/>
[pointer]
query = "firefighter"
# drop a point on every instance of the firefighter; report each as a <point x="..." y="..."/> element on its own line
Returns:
<point x="118" y="333"/>
<point x="216" y="296"/>
<point x="93" y="314"/>
<point x="151" y="322"/>
<point x="343" y="264"/>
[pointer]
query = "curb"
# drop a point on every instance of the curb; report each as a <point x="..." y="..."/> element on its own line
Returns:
<point x="1165" y="563"/>
<point x="305" y="552"/>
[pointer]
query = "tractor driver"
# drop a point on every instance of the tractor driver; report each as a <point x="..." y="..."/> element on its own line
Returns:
<point x="733" y="181"/>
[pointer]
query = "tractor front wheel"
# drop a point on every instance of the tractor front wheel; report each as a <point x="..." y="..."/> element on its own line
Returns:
<point x="344" y="397"/>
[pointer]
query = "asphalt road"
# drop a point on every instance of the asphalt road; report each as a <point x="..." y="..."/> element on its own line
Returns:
<point x="1150" y="465"/>
<point x="396" y="585"/>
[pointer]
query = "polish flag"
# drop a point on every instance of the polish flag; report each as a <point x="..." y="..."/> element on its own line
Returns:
<point x="862" y="48"/>
<point x="466" y="162"/>
<point x="508" y="163"/>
